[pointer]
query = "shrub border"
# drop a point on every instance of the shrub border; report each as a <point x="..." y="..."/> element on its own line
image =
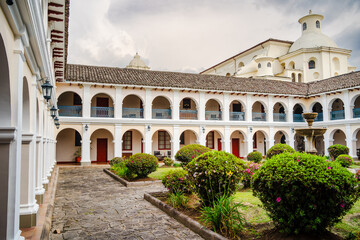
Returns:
<point x="127" y="183"/>
<point x="182" y="218"/>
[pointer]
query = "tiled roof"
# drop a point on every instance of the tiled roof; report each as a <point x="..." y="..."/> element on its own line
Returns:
<point x="133" y="77"/>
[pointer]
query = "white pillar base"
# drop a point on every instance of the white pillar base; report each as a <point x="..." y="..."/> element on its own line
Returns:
<point x="85" y="163"/>
<point x="28" y="215"/>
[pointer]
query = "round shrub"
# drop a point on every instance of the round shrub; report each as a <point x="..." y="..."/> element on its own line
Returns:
<point x="177" y="181"/>
<point x="336" y="150"/>
<point x="304" y="192"/>
<point x="189" y="152"/>
<point x="115" y="161"/>
<point x="215" y="174"/>
<point x="248" y="172"/>
<point x="344" y="160"/>
<point x="168" y="161"/>
<point x="142" y="164"/>
<point x="277" y="149"/>
<point x="254" y="157"/>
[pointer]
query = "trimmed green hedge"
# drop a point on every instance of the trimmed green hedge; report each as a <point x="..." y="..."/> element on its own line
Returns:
<point x="336" y="150"/>
<point x="255" y="157"/>
<point x="189" y="152"/>
<point x="277" y="149"/>
<point x="142" y="164"/>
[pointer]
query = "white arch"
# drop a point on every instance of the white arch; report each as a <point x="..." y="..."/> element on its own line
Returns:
<point x="132" y="129"/>
<point x="313" y="104"/>
<point x="240" y="131"/>
<point x="282" y="104"/>
<point x="98" y="93"/>
<point x="240" y="101"/>
<point x="219" y="102"/>
<point x="66" y="128"/>
<point x="99" y="129"/>
<point x="301" y="105"/>
<point x="263" y="132"/>
<point x="220" y="133"/>
<point x="164" y="96"/>
<point x="283" y="132"/>
<point x="353" y="99"/>
<point x="68" y="92"/>
<point x="171" y="136"/>
<point x="26" y="114"/>
<point x="332" y="102"/>
<point x="132" y="94"/>
<point x="5" y="98"/>
<point x="196" y="135"/>
<point x="331" y="135"/>
<point x="261" y="102"/>
<point x="196" y="102"/>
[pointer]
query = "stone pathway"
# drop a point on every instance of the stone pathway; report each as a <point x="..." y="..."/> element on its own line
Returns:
<point x="89" y="204"/>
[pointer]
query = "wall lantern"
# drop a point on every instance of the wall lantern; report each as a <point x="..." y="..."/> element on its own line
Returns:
<point x="9" y="2"/>
<point x="250" y="129"/>
<point x="56" y="120"/>
<point x="148" y="128"/>
<point x="203" y="129"/>
<point x="47" y="87"/>
<point x="57" y="125"/>
<point x="53" y="111"/>
<point x="292" y="130"/>
<point x="86" y="127"/>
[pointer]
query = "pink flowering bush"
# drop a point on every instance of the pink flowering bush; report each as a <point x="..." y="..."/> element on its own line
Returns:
<point x="177" y="181"/>
<point x="344" y="160"/>
<point x="142" y="164"/>
<point x="248" y="172"/>
<point x="215" y="174"/>
<point x="336" y="150"/>
<point x="303" y="192"/>
<point x="189" y="152"/>
<point x="357" y="175"/>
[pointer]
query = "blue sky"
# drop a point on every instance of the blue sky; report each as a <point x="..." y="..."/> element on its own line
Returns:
<point x="192" y="35"/>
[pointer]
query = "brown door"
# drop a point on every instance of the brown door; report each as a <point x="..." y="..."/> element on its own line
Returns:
<point x="102" y="102"/>
<point x="101" y="150"/>
<point x="235" y="147"/>
<point x="102" y="105"/>
<point x="219" y="144"/>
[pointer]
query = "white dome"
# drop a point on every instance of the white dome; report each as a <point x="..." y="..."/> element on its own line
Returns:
<point x="312" y="40"/>
<point x="137" y="63"/>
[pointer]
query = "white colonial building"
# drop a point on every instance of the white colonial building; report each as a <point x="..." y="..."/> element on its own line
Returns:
<point x="33" y="37"/>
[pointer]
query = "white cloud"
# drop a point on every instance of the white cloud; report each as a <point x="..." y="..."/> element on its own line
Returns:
<point x="189" y="35"/>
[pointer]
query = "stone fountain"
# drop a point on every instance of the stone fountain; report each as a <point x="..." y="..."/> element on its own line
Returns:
<point x="310" y="133"/>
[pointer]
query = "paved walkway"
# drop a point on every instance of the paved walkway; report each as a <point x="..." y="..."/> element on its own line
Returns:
<point x="89" y="204"/>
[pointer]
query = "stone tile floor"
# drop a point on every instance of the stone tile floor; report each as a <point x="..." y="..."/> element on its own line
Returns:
<point x="89" y="204"/>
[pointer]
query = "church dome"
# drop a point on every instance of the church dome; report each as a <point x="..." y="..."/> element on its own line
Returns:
<point x="137" y="63"/>
<point x="312" y="36"/>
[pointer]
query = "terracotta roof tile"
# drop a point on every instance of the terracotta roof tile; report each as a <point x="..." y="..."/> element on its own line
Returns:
<point x="112" y="75"/>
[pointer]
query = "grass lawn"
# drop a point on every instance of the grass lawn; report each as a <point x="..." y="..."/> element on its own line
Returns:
<point x="254" y="213"/>
<point x="161" y="172"/>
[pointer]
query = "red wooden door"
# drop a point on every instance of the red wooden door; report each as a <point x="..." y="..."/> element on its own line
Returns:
<point x="219" y="144"/>
<point x="235" y="147"/>
<point x="101" y="155"/>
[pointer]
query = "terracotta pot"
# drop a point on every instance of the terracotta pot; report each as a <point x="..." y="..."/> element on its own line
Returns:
<point x="78" y="159"/>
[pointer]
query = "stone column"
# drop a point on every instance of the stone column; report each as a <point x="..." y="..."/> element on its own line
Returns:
<point x="85" y="145"/>
<point x="148" y="139"/>
<point x="325" y="108"/>
<point x="175" y="141"/>
<point x="227" y="139"/>
<point x="202" y="105"/>
<point x="39" y="189"/>
<point x="249" y="103"/>
<point x="349" y="140"/>
<point x="118" y="103"/>
<point x="86" y="101"/>
<point x="291" y="140"/>
<point x="176" y="106"/>
<point x="270" y="117"/>
<point x="147" y="104"/>
<point x="118" y="141"/>
<point x="327" y="142"/>
<point x="271" y="138"/>
<point x="202" y="135"/>
<point x="45" y="180"/>
<point x="347" y="107"/>
<point x="289" y="113"/>
<point x="226" y="111"/>
<point x="28" y="206"/>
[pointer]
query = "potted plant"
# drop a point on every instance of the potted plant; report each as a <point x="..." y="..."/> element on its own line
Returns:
<point x="77" y="155"/>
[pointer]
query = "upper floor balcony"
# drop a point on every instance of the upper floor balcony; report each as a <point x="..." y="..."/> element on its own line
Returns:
<point x="279" y="117"/>
<point x="213" y="115"/>
<point x="237" y="116"/>
<point x="188" y="109"/>
<point x="188" y="114"/>
<point x="337" y="115"/>
<point x="103" y="112"/>
<point x="256" y="116"/>
<point x="70" y="111"/>
<point x="298" y="118"/>
<point x="161" y="113"/>
<point x="356" y="113"/>
<point x="133" y="113"/>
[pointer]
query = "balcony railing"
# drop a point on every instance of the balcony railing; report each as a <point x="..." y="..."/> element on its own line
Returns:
<point x="337" y="115"/>
<point x="237" y="116"/>
<point x="356" y="113"/>
<point x="105" y="112"/>
<point x="279" y="117"/>
<point x="133" y="113"/>
<point x="188" y="114"/>
<point x="298" y="118"/>
<point x="161" y="113"/>
<point x="319" y="117"/>
<point x="256" y="116"/>
<point x="70" y="111"/>
<point x="213" y="115"/>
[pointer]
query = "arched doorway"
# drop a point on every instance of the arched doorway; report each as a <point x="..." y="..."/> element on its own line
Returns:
<point x="102" y="106"/>
<point x="213" y="140"/>
<point x="132" y="107"/>
<point x="69" y="104"/>
<point x="161" y="144"/>
<point x="259" y="142"/>
<point x="187" y="137"/>
<point x="238" y="148"/>
<point x="297" y="113"/>
<point x="337" y="109"/>
<point x="280" y="137"/>
<point x="161" y="108"/>
<point x="279" y="114"/>
<point x="101" y="146"/>
<point x="213" y="110"/>
<point x="132" y="143"/>
<point x="339" y="137"/>
<point x="258" y="112"/>
<point x="68" y="141"/>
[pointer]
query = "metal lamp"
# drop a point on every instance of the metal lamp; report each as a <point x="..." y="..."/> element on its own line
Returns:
<point x="53" y="111"/>
<point x="47" y="87"/>
<point x="56" y="120"/>
<point x="57" y="124"/>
